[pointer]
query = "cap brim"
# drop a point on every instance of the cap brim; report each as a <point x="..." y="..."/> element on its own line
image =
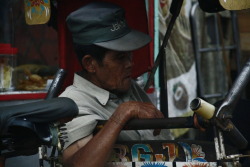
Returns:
<point x="129" y="42"/>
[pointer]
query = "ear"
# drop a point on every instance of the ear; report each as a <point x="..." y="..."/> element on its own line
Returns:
<point x="88" y="63"/>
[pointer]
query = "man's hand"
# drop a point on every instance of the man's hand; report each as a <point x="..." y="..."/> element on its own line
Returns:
<point x="140" y="110"/>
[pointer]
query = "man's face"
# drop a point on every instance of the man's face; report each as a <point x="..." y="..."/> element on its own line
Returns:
<point x="114" y="74"/>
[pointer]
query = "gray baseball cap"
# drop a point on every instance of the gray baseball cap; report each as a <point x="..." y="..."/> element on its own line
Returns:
<point x="104" y="24"/>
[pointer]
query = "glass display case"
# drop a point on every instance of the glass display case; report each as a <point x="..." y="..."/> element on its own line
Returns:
<point x="7" y="65"/>
<point x="28" y="52"/>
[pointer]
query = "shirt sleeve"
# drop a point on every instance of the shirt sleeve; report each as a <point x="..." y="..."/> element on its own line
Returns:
<point x="79" y="128"/>
<point x="84" y="124"/>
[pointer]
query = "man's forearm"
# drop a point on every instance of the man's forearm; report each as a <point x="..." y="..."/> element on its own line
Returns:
<point x="97" y="151"/>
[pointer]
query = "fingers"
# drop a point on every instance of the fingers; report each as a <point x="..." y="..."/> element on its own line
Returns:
<point x="140" y="110"/>
<point x="147" y="110"/>
<point x="151" y="112"/>
<point x="159" y="114"/>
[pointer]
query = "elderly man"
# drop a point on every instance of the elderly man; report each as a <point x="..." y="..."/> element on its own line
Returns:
<point x="104" y="89"/>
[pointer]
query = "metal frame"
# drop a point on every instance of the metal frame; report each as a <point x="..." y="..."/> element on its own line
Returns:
<point x="198" y="50"/>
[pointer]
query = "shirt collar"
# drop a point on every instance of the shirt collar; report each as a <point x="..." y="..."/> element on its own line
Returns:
<point x="100" y="94"/>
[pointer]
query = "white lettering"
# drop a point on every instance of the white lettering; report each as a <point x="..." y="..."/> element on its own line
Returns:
<point x="118" y="25"/>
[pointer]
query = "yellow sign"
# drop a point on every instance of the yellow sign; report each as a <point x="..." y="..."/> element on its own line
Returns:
<point x="37" y="11"/>
<point x="235" y="4"/>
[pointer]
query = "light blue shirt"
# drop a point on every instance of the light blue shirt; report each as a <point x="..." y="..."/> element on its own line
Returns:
<point x="95" y="104"/>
